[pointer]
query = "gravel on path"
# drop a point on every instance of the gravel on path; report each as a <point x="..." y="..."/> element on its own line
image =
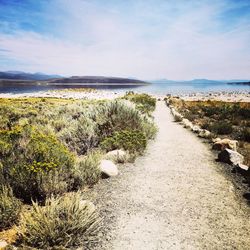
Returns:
<point x="173" y="197"/>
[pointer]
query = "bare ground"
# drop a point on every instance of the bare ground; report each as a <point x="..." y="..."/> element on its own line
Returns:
<point x="174" y="197"/>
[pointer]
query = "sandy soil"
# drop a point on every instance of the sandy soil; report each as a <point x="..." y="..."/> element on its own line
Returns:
<point x="92" y="95"/>
<point x="102" y="94"/>
<point x="174" y="197"/>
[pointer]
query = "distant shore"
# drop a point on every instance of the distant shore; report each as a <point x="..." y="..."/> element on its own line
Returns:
<point x="230" y="96"/>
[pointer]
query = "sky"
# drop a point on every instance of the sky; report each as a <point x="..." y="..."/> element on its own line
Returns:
<point x="144" y="39"/>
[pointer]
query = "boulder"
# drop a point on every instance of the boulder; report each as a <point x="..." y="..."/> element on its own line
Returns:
<point x="225" y="143"/>
<point x="108" y="168"/>
<point x="177" y="116"/>
<point x="216" y="140"/>
<point x="187" y="124"/>
<point x="243" y="167"/>
<point x="205" y="134"/>
<point x="117" y="155"/>
<point x="230" y="156"/>
<point x="196" y="129"/>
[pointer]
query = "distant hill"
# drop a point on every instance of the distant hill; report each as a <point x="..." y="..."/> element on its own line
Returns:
<point x="19" y="75"/>
<point x="204" y="81"/>
<point x="194" y="81"/>
<point x="201" y="81"/>
<point x="97" y="79"/>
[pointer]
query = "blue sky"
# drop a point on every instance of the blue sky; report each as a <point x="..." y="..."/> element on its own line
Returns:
<point x="147" y="39"/>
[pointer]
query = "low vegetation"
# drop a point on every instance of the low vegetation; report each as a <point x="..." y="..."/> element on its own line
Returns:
<point x="144" y="102"/>
<point x="223" y="119"/>
<point x="10" y="208"/>
<point x="49" y="147"/>
<point x="63" y="222"/>
<point x="130" y="140"/>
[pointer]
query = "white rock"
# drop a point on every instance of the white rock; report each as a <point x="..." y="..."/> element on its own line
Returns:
<point x="243" y="167"/>
<point x="231" y="157"/>
<point x="225" y="143"/>
<point x="117" y="152"/>
<point x="177" y="116"/>
<point x="205" y="134"/>
<point x="216" y="140"/>
<point x="117" y="155"/>
<point x="196" y="129"/>
<point x="187" y="124"/>
<point x="108" y="168"/>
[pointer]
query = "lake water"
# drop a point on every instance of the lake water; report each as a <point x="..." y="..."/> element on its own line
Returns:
<point x="154" y="88"/>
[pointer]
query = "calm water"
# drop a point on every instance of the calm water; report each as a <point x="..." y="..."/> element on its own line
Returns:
<point x="154" y="88"/>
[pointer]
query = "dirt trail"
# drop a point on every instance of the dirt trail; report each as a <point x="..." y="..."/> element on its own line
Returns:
<point x="174" y="197"/>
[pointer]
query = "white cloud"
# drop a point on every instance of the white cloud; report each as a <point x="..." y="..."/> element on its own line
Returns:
<point x="99" y="40"/>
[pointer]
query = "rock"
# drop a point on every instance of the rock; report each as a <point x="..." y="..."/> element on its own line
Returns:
<point x="108" y="168"/>
<point x="187" y="124"/>
<point x="205" y="134"/>
<point x="243" y="167"/>
<point x="196" y="129"/>
<point x="225" y="143"/>
<point x="117" y="155"/>
<point x="216" y="139"/>
<point x="89" y="204"/>
<point x="178" y="117"/>
<point x="3" y="244"/>
<point x="117" y="152"/>
<point x="230" y="156"/>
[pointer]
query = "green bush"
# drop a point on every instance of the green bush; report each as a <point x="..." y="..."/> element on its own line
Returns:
<point x="80" y="135"/>
<point x="35" y="164"/>
<point x="210" y="110"/>
<point x="87" y="171"/>
<point x="144" y="102"/>
<point x="39" y="140"/>
<point x="221" y="128"/>
<point x="133" y="141"/>
<point x="10" y="208"/>
<point x="63" y="222"/>
<point x="119" y="115"/>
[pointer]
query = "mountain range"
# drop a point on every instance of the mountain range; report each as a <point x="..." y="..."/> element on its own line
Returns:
<point x="198" y="81"/>
<point x="21" y="77"/>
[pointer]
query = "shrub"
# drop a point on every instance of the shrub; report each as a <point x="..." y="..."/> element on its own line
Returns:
<point x="245" y="134"/>
<point x="63" y="222"/>
<point x="10" y="208"/>
<point x="35" y="164"/>
<point x="115" y="116"/>
<point x="210" y="110"/>
<point x="80" y="135"/>
<point x="87" y="170"/>
<point x="120" y="115"/>
<point x="144" y="102"/>
<point x="245" y="112"/>
<point x="222" y="128"/>
<point x="133" y="141"/>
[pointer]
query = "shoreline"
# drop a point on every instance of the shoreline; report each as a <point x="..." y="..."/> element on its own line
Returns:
<point x="92" y="94"/>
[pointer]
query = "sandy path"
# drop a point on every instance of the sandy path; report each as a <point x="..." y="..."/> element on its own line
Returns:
<point x="174" y="197"/>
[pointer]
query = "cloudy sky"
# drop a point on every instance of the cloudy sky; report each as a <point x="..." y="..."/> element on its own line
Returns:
<point x="147" y="39"/>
